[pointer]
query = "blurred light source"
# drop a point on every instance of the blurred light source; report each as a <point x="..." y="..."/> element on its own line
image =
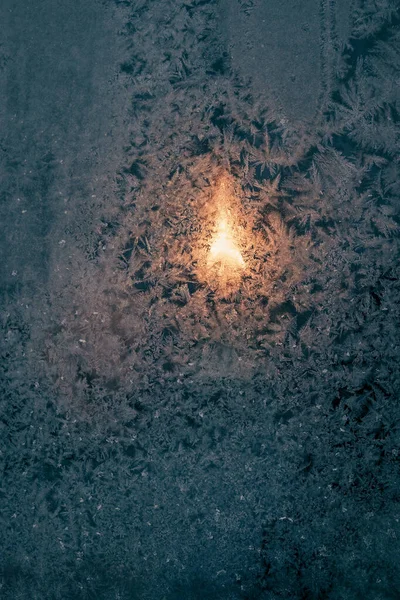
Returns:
<point x="224" y="249"/>
<point x="222" y="253"/>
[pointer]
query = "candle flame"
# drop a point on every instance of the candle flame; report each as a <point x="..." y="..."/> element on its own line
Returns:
<point x="223" y="249"/>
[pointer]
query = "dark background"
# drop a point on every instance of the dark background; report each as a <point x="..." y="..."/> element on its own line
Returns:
<point x="158" y="441"/>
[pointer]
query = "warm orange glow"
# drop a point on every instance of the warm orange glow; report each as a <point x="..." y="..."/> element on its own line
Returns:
<point x="224" y="249"/>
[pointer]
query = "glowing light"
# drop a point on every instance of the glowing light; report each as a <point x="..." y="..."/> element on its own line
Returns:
<point x="224" y="249"/>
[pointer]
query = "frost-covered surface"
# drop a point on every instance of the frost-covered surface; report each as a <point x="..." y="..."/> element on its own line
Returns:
<point x="161" y="441"/>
